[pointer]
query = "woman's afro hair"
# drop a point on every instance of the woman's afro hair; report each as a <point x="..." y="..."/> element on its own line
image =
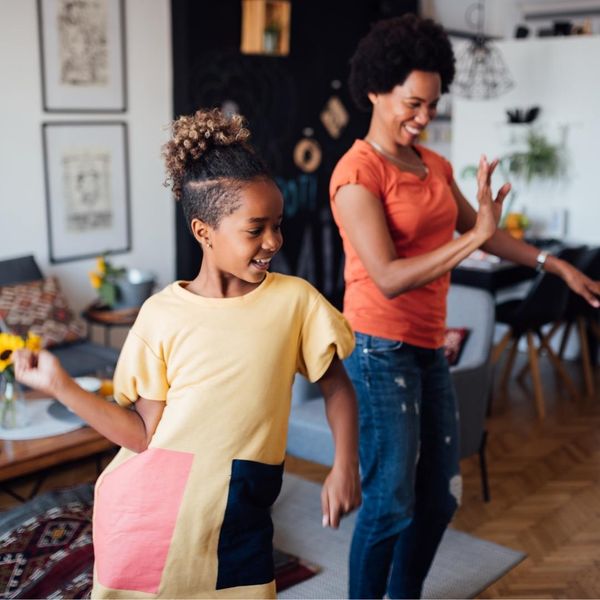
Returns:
<point x="392" y="49"/>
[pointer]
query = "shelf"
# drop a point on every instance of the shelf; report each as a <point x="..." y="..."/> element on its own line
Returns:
<point x="266" y="27"/>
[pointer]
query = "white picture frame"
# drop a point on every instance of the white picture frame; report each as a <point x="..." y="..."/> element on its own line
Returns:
<point x="82" y="55"/>
<point x="87" y="189"/>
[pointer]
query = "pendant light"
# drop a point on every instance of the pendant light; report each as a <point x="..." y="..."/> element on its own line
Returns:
<point x="480" y="69"/>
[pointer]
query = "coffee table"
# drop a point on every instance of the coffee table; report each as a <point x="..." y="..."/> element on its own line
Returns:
<point x="24" y="457"/>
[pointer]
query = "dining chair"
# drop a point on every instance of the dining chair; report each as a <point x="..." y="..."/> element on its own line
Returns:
<point x="544" y="304"/>
<point x="584" y="317"/>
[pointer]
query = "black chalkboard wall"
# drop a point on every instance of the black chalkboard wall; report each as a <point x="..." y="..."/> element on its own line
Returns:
<point x="282" y="98"/>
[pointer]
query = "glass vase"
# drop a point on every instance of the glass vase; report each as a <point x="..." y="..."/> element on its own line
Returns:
<point x="13" y="406"/>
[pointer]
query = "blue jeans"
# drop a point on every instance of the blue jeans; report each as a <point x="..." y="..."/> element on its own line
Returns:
<point x="409" y="455"/>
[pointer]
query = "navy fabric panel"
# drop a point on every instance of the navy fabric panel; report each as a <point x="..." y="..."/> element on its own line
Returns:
<point x="245" y="551"/>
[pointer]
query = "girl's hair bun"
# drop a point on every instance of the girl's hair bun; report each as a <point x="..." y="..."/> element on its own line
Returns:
<point x="193" y="135"/>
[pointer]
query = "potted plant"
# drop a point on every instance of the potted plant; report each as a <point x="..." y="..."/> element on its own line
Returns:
<point x="118" y="287"/>
<point x="540" y="159"/>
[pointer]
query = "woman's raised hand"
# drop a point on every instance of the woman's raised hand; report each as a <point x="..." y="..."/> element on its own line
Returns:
<point x="490" y="209"/>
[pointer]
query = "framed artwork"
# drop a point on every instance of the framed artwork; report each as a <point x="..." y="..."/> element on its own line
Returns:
<point x="82" y="55"/>
<point x="87" y="189"/>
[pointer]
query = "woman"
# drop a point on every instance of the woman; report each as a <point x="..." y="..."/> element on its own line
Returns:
<point x="397" y="207"/>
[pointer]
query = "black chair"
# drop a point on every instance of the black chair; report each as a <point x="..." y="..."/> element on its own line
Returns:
<point x="544" y="304"/>
<point x="584" y="317"/>
<point x="78" y="358"/>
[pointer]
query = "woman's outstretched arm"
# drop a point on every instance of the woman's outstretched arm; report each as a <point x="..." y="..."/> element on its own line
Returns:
<point x="505" y="246"/>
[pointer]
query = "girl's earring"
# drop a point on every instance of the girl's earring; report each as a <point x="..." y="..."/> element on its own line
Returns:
<point x="208" y="243"/>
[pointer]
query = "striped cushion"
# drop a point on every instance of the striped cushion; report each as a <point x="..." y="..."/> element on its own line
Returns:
<point x="39" y="307"/>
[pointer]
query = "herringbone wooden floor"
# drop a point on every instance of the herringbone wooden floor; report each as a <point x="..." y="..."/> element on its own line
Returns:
<point x="545" y="486"/>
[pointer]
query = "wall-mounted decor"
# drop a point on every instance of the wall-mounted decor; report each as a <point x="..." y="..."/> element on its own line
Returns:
<point x="87" y="189"/>
<point x="266" y="27"/>
<point x="82" y="55"/>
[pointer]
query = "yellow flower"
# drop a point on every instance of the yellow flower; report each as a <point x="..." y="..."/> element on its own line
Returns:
<point x="101" y="265"/>
<point x="33" y="342"/>
<point x="8" y="344"/>
<point x="95" y="280"/>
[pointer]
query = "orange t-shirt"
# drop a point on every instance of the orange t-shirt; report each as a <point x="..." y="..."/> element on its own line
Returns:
<point x="421" y="216"/>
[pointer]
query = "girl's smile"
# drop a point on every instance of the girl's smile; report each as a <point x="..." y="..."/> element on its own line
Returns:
<point x="238" y="251"/>
<point x="262" y="264"/>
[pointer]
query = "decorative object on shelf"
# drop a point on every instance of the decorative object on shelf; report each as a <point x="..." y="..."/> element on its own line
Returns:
<point x="87" y="188"/>
<point x="271" y="36"/>
<point x="118" y="287"/>
<point x="521" y="32"/>
<point x="480" y="69"/>
<point x="522" y="115"/>
<point x="13" y="409"/>
<point x="82" y="52"/>
<point x="266" y="27"/>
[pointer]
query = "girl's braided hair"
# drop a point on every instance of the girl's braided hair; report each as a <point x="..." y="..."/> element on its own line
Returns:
<point x="208" y="160"/>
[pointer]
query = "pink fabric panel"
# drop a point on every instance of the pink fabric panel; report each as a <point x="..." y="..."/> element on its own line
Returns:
<point x="135" y="511"/>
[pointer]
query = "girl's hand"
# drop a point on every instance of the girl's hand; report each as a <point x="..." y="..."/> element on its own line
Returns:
<point x="340" y="494"/>
<point x="579" y="282"/>
<point x="490" y="210"/>
<point x="41" y="371"/>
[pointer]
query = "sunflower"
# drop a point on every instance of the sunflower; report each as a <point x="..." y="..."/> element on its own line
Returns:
<point x="33" y="342"/>
<point x="9" y="343"/>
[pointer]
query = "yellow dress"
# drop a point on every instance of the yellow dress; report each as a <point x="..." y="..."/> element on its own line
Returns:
<point x="189" y="517"/>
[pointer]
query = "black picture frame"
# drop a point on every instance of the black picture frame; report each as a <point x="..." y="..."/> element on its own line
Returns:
<point x="86" y="171"/>
<point x="82" y="56"/>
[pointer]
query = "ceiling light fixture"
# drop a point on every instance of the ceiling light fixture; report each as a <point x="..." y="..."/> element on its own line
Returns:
<point x="480" y="69"/>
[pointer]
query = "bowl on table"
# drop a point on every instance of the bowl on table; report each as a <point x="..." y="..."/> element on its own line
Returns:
<point x="89" y="384"/>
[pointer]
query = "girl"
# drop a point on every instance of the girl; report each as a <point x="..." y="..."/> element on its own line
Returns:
<point x="203" y="387"/>
<point x="397" y="206"/>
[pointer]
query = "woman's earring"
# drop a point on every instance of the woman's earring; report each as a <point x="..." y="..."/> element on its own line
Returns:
<point x="208" y="243"/>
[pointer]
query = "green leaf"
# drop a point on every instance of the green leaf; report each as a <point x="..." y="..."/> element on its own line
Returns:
<point x="108" y="293"/>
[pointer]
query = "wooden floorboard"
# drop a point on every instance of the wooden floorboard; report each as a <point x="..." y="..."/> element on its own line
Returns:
<point x="545" y="486"/>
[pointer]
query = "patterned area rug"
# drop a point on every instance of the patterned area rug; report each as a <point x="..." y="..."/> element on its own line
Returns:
<point x="46" y="549"/>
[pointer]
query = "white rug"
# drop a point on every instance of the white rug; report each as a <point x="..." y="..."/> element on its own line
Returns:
<point x="464" y="565"/>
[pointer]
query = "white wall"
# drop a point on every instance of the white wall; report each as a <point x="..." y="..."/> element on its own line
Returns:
<point x="559" y="75"/>
<point x="502" y="16"/>
<point x="22" y="194"/>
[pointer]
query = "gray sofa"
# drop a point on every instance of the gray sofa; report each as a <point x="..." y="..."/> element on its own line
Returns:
<point x="78" y="358"/>
<point x="309" y="436"/>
